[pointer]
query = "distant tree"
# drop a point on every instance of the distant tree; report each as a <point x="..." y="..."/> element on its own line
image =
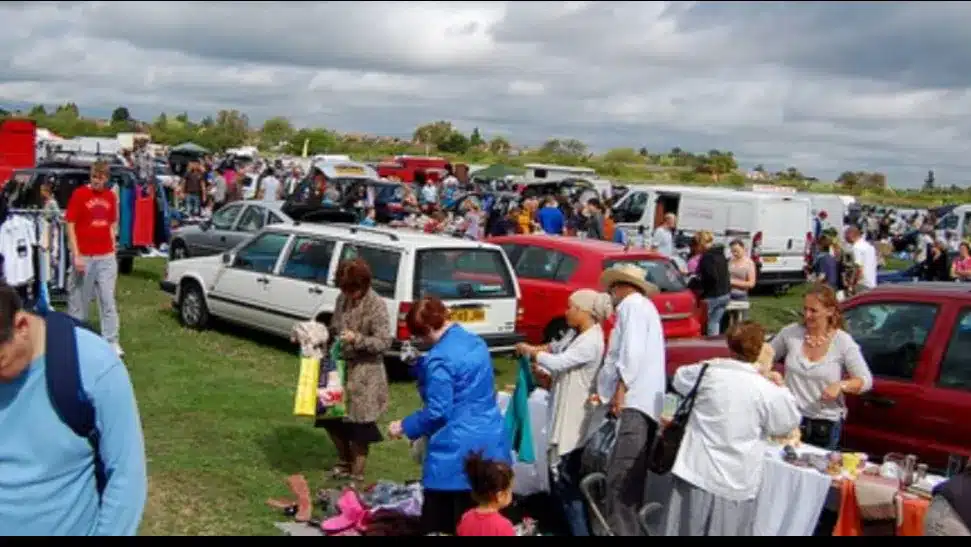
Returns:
<point x="642" y="152"/>
<point x="456" y="143"/>
<point x="434" y="134"/>
<point x="759" y="168"/>
<point x="929" y="181"/>
<point x="37" y="111"/>
<point x="121" y="115"/>
<point x="499" y="146"/>
<point x="623" y="155"/>
<point x="274" y="131"/>
<point x="475" y="139"/>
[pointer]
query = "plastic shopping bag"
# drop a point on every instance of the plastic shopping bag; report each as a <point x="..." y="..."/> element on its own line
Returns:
<point x="305" y="402"/>
<point x="597" y="450"/>
<point x="331" y="396"/>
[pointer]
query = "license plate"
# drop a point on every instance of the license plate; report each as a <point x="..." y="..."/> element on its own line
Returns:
<point x="467" y="315"/>
<point x="769" y="259"/>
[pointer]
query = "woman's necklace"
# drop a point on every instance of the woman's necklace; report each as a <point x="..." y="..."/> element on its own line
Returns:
<point x="815" y="341"/>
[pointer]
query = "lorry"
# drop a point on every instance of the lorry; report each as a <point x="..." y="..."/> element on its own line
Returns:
<point x="775" y="228"/>
<point x="403" y="168"/>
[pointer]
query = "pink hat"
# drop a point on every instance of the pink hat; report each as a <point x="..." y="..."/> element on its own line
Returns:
<point x="352" y="513"/>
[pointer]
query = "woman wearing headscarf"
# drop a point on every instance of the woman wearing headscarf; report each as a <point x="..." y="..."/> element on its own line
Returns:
<point x="569" y="370"/>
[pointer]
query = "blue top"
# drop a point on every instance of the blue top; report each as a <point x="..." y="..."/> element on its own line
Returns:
<point x="47" y="482"/>
<point x="551" y="220"/>
<point x="827" y="265"/>
<point x="460" y="414"/>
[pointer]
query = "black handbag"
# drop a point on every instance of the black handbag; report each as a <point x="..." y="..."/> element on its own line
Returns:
<point x="667" y="442"/>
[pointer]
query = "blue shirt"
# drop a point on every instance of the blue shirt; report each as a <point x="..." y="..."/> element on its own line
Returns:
<point x="826" y="264"/>
<point x="551" y="220"/>
<point x="47" y="483"/>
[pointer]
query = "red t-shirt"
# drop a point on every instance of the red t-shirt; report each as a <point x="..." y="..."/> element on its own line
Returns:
<point x="479" y="523"/>
<point x="92" y="214"/>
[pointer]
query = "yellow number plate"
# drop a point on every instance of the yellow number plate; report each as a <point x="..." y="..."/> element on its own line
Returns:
<point x="349" y="171"/>
<point x="467" y="315"/>
<point x="769" y="260"/>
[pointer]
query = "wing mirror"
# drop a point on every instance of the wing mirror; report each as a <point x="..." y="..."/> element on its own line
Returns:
<point x="227" y="258"/>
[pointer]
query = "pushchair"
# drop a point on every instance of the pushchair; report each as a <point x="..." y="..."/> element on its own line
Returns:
<point x="594" y="489"/>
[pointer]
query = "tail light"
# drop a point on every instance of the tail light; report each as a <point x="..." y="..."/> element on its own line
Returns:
<point x="757" y="248"/>
<point x="809" y="249"/>
<point x="520" y="313"/>
<point x="401" y="332"/>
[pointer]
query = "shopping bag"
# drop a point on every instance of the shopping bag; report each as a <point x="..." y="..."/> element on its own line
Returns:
<point x="597" y="450"/>
<point x="305" y="401"/>
<point x="667" y="442"/>
<point x="331" y="396"/>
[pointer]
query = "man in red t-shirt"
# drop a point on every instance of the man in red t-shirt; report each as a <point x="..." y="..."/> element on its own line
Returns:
<point x="92" y="222"/>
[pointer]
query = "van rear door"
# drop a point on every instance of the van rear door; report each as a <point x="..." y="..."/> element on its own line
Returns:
<point x="784" y="223"/>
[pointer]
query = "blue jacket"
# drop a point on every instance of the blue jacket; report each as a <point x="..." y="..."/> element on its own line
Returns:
<point x="460" y="413"/>
<point x="551" y="219"/>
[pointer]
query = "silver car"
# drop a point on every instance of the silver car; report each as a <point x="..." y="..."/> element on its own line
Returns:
<point x="227" y="228"/>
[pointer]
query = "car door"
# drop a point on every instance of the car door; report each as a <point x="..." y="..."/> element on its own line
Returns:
<point x="545" y="272"/>
<point x="893" y="336"/>
<point x="212" y="236"/>
<point x="241" y="291"/>
<point x="946" y="406"/>
<point x="305" y="284"/>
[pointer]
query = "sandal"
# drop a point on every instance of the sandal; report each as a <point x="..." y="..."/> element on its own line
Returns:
<point x="340" y="471"/>
<point x="355" y="478"/>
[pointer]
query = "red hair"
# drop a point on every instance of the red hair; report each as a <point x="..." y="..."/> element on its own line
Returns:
<point x="427" y="315"/>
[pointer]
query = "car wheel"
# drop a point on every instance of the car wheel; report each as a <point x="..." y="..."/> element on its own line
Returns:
<point x="126" y="265"/>
<point x="193" y="312"/>
<point x="556" y="329"/>
<point x="178" y="251"/>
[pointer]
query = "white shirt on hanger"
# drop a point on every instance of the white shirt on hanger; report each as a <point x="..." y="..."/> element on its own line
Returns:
<point x="17" y="238"/>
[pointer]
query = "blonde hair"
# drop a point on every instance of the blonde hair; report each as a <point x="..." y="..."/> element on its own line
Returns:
<point x="100" y="167"/>
<point x="597" y="304"/>
<point x="705" y="238"/>
<point x="827" y="297"/>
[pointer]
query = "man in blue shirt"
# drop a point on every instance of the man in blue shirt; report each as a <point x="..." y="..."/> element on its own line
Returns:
<point x="550" y="217"/>
<point x="48" y="483"/>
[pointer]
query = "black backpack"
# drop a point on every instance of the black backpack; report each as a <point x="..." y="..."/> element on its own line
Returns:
<point x="64" y="387"/>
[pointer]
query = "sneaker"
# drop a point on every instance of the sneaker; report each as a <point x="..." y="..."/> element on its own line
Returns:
<point x="118" y="350"/>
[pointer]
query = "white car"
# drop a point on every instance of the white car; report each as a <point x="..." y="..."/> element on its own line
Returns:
<point x="285" y="274"/>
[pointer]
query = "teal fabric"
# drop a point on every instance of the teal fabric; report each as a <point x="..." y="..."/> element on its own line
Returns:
<point x="518" y="427"/>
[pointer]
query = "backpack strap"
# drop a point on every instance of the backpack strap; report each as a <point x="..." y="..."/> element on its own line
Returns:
<point x="64" y="386"/>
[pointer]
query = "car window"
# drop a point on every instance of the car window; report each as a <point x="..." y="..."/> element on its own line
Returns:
<point x="955" y="370"/>
<point x="539" y="263"/>
<point x="511" y="250"/>
<point x="260" y="254"/>
<point x="632" y="208"/>
<point x="252" y="219"/>
<point x="223" y="219"/>
<point x="660" y="272"/>
<point x="891" y="335"/>
<point x="309" y="260"/>
<point x="966" y="227"/>
<point x="273" y="218"/>
<point x="383" y="263"/>
<point x="459" y="274"/>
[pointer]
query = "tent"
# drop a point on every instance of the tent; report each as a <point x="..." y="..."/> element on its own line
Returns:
<point x="189" y="149"/>
<point x="497" y="171"/>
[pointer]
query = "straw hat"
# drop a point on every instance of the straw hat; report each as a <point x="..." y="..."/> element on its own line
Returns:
<point x="628" y="274"/>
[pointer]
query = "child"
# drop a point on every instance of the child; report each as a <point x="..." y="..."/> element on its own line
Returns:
<point x="492" y="489"/>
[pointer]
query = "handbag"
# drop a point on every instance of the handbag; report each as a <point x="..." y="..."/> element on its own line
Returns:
<point x="664" y="451"/>
<point x="597" y="450"/>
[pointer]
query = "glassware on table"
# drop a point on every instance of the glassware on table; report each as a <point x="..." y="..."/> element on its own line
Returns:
<point x="955" y="464"/>
<point x="909" y="471"/>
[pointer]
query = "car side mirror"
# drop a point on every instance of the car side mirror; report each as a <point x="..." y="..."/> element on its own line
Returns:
<point x="227" y="259"/>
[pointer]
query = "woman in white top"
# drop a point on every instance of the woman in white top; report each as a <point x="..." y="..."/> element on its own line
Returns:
<point x="822" y="362"/>
<point x="570" y="374"/>
<point x="719" y="467"/>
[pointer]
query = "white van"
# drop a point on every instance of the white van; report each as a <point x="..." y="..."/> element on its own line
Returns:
<point x="956" y="221"/>
<point x="837" y="207"/>
<point x="776" y="228"/>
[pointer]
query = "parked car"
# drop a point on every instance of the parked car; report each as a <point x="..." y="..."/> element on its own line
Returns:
<point x="286" y="274"/>
<point x="550" y="268"/>
<point x="916" y="337"/>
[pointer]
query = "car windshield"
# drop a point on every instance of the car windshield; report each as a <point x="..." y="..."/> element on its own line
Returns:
<point x="661" y="272"/>
<point x="459" y="274"/>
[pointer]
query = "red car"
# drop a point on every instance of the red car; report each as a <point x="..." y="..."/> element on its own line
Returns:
<point x="916" y="337"/>
<point x="551" y="268"/>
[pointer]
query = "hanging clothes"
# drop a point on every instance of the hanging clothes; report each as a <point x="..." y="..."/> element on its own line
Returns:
<point x="517" y="422"/>
<point x="18" y="236"/>
<point x="162" y="226"/>
<point x="143" y="230"/>
<point x="126" y="214"/>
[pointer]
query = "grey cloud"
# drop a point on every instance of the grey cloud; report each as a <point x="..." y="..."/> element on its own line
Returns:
<point x="822" y="86"/>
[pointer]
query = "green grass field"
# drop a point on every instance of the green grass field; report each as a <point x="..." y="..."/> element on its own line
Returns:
<point x="216" y="407"/>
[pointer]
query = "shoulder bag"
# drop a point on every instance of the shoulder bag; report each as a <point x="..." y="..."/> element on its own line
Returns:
<point x="667" y="442"/>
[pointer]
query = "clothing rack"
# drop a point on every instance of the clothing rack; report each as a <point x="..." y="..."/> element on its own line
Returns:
<point x="56" y="281"/>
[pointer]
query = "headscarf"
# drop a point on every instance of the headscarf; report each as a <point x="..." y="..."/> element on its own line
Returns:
<point x="597" y="304"/>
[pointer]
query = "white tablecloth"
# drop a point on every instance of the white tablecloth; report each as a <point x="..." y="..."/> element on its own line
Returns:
<point x="533" y="478"/>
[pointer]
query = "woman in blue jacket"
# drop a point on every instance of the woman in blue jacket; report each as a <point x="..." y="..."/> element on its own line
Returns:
<point x="460" y="413"/>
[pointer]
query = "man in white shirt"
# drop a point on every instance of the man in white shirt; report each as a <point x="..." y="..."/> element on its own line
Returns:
<point x="271" y="187"/>
<point x="663" y="239"/>
<point x="865" y="256"/>
<point x="634" y="365"/>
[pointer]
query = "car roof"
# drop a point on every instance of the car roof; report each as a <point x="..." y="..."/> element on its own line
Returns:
<point x="275" y="205"/>
<point x="592" y="246"/>
<point x="407" y="239"/>
<point x="950" y="288"/>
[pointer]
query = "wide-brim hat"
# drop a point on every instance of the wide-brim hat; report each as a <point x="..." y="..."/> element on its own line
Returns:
<point x="628" y="274"/>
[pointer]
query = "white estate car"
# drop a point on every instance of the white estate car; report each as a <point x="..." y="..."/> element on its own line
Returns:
<point x="285" y="274"/>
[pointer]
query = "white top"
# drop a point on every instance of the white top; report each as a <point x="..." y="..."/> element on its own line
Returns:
<point x="17" y="238"/>
<point x="635" y="354"/>
<point x="574" y="371"/>
<point x="663" y="240"/>
<point x="865" y="256"/>
<point x="723" y="448"/>
<point x="271" y="187"/>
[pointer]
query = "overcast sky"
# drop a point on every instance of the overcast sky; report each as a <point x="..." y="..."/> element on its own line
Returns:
<point x="823" y="86"/>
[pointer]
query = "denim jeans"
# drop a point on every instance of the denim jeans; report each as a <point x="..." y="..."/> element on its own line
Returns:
<point x="98" y="280"/>
<point x="193" y="205"/>
<point x="716" y="311"/>
<point x="566" y="490"/>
